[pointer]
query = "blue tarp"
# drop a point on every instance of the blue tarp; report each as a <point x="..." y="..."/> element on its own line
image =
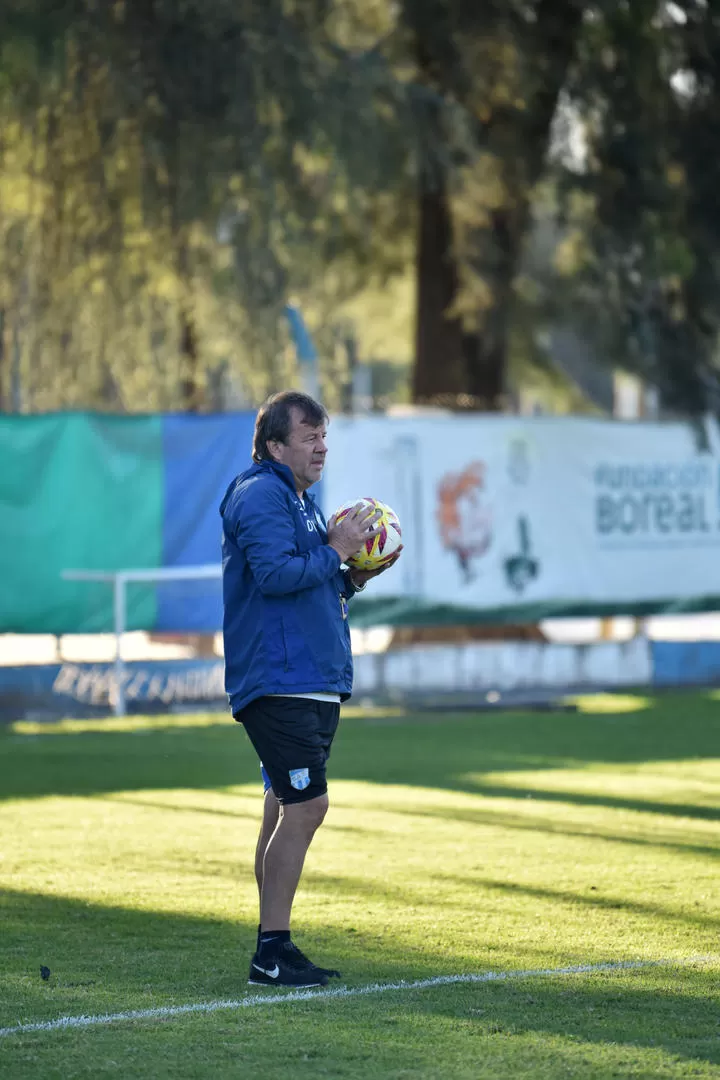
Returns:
<point x="686" y="663"/>
<point x="201" y="456"/>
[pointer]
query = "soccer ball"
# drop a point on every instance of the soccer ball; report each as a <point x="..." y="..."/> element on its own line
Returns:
<point x="379" y="549"/>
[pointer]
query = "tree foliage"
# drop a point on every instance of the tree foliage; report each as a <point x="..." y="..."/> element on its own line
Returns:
<point x="636" y="81"/>
<point x="505" y="65"/>
<point x="172" y="172"/>
<point x="169" y="176"/>
<point x="646" y="285"/>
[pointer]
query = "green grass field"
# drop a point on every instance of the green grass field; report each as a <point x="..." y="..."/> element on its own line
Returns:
<point x="455" y="844"/>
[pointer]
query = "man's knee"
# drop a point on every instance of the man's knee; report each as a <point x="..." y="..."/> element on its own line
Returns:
<point x="307" y="815"/>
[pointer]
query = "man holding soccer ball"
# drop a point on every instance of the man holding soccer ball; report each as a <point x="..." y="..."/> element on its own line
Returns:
<point x="288" y="662"/>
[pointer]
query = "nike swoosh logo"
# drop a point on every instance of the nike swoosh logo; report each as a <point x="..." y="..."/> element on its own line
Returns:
<point x="271" y="974"/>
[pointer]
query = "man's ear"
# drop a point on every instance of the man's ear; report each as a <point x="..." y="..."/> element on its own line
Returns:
<point x="274" y="447"/>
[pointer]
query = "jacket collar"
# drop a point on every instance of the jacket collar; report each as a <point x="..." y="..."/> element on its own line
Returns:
<point x="285" y="474"/>
<point x="281" y="471"/>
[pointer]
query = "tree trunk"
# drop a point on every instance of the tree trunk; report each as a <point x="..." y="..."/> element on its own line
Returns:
<point x="439" y="372"/>
<point x="486" y="362"/>
<point x="190" y="389"/>
<point x="455" y="366"/>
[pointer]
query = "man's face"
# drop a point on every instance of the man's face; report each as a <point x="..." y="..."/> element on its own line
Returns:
<point x="304" y="452"/>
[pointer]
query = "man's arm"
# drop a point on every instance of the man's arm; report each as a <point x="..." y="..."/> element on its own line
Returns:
<point x="263" y="527"/>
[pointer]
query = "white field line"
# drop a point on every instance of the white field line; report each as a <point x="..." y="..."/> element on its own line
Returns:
<point x="253" y="1000"/>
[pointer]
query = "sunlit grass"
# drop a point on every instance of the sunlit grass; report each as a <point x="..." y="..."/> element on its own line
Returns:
<point x="159" y="722"/>
<point x="120" y="724"/>
<point x="610" y="703"/>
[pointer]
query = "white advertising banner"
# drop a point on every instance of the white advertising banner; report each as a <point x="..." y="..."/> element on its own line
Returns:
<point x="565" y="515"/>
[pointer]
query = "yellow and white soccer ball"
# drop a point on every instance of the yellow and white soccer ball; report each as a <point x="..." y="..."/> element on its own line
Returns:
<point x="379" y="549"/>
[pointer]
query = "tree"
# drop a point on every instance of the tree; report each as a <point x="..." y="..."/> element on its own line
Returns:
<point x="647" y="283"/>
<point x="174" y="171"/>
<point x="239" y="115"/>
<point x="155" y="123"/>
<point x="505" y="65"/>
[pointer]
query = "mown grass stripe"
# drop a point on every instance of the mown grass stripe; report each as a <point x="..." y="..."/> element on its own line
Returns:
<point x="253" y="1000"/>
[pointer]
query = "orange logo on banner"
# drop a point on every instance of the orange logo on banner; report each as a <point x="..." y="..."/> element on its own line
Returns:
<point x="464" y="518"/>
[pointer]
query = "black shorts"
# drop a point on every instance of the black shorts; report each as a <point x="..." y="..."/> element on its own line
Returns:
<point x="292" y="738"/>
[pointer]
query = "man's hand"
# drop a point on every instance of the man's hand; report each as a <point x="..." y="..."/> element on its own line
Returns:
<point x="360" y="578"/>
<point x="349" y="536"/>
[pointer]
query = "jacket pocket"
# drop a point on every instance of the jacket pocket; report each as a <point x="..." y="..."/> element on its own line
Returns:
<point x="276" y="643"/>
<point x="330" y="641"/>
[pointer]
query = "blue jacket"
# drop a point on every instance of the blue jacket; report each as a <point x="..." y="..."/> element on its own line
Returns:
<point x="284" y="594"/>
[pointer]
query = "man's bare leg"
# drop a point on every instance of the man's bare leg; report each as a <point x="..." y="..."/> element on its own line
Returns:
<point x="271" y="812"/>
<point x="284" y="859"/>
<point x="285" y="836"/>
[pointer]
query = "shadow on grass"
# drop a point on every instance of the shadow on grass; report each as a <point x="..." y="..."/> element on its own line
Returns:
<point x="178" y="808"/>
<point x="453" y="753"/>
<point x="108" y="959"/>
<point x="608" y="802"/>
<point x="112" y="957"/>
<point x="673" y="1010"/>
<point x="632" y="907"/>
<point x="424" y="893"/>
<point x="493" y="818"/>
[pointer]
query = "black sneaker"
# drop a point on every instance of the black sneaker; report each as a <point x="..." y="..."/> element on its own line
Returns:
<point x="282" y="971"/>
<point x="298" y="959"/>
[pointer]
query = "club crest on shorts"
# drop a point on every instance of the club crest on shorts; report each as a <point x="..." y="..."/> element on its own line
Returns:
<point x="300" y="778"/>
